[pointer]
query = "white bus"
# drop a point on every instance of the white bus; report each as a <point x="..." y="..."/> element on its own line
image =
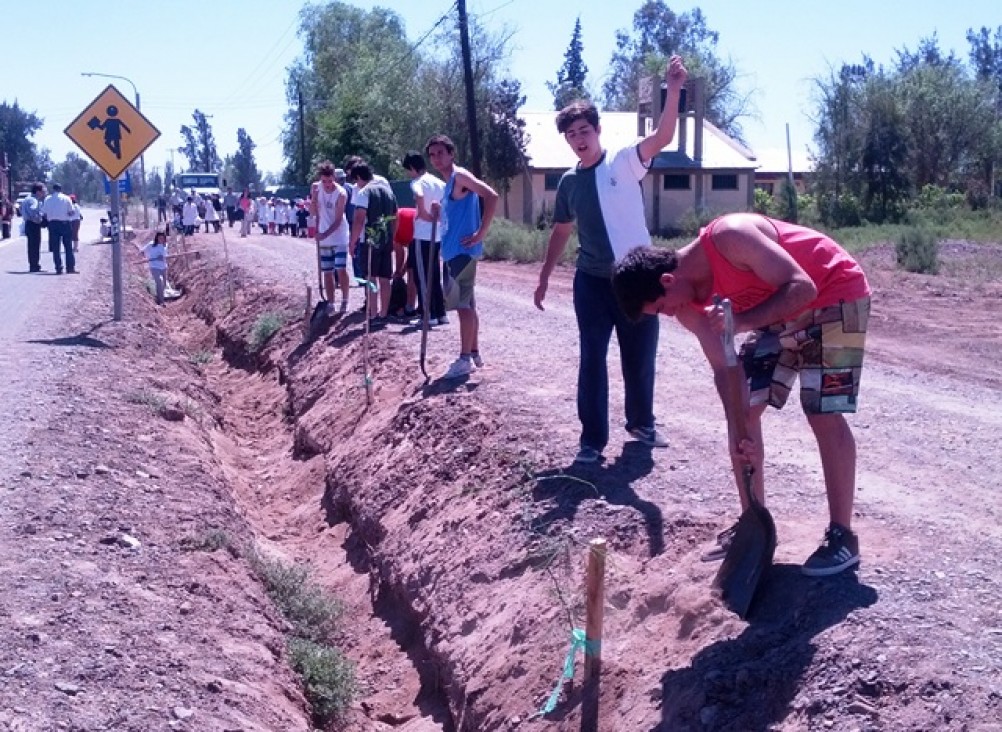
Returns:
<point x="205" y="184"/>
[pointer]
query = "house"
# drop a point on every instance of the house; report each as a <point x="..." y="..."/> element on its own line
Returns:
<point x="774" y="167"/>
<point x="702" y="169"/>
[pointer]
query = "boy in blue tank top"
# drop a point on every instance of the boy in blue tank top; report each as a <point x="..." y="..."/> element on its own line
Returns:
<point x="463" y="231"/>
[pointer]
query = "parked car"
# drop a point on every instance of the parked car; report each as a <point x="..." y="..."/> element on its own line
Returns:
<point x="20" y="197"/>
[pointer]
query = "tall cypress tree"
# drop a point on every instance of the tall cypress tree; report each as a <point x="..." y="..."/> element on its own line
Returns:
<point x="571" y="76"/>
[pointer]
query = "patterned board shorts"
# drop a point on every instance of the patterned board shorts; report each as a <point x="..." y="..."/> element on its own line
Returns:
<point x="460" y="278"/>
<point x="333" y="259"/>
<point x="825" y="347"/>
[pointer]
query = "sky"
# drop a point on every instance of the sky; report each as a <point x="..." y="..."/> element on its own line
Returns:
<point x="229" y="58"/>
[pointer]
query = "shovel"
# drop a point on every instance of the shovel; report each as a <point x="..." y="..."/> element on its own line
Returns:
<point x="754" y="543"/>
<point x="424" y="275"/>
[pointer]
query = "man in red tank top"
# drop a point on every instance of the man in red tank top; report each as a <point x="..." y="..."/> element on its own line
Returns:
<point x="805" y="302"/>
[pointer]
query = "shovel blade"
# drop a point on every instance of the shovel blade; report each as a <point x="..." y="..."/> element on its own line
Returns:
<point x="748" y="558"/>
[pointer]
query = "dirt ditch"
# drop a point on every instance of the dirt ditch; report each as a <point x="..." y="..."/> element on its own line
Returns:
<point x="448" y="520"/>
<point x="440" y="516"/>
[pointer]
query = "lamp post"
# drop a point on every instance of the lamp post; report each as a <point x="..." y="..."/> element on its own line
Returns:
<point x="142" y="159"/>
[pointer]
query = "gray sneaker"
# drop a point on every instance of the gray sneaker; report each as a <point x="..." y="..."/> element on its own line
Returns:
<point x="838" y="552"/>
<point x="649" y="436"/>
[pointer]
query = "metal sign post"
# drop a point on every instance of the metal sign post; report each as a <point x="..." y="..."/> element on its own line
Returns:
<point x="116" y="250"/>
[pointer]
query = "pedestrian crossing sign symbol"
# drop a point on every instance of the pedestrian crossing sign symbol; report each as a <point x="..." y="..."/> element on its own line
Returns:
<point x="112" y="132"/>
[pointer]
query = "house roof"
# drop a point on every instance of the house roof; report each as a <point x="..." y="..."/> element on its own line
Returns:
<point x="548" y="150"/>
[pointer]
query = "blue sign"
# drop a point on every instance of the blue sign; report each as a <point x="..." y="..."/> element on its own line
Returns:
<point x="124" y="184"/>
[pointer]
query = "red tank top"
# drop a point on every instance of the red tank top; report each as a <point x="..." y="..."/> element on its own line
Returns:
<point x="834" y="272"/>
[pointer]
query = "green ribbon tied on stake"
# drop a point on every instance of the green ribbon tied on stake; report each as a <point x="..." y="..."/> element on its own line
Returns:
<point x="579" y="642"/>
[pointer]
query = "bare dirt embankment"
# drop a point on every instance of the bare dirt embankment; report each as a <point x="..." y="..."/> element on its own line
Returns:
<point x="449" y="519"/>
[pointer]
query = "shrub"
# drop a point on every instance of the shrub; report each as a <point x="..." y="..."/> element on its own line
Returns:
<point x="517" y="243"/>
<point x="328" y="678"/>
<point x="200" y="358"/>
<point x="764" y="202"/>
<point x="916" y="250"/>
<point x="266" y="325"/>
<point x="311" y="611"/>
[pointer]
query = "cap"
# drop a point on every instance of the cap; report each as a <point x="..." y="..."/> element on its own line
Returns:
<point x="339" y="174"/>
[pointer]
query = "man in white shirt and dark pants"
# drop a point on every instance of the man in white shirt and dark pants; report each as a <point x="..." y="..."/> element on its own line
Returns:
<point x="58" y="211"/>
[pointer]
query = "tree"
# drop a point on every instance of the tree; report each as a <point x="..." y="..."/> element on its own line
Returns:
<point x="81" y="177"/>
<point x="659" y="32"/>
<point x="200" y="145"/>
<point x="245" y="172"/>
<point x="570" y="83"/>
<point x="505" y="149"/>
<point x="986" y="57"/>
<point x="17" y="126"/>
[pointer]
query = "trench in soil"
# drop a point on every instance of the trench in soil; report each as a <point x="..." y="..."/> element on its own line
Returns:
<point x="292" y="492"/>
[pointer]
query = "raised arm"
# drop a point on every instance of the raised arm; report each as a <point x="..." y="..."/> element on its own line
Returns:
<point x="675" y="75"/>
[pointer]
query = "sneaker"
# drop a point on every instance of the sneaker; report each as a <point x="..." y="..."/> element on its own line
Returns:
<point x="649" y="436"/>
<point x="344" y="307"/>
<point x="838" y="551"/>
<point x="477" y="360"/>
<point x="419" y="322"/>
<point x="460" y="367"/>
<point x="587" y="455"/>
<point x="724" y="540"/>
<point x="330" y="311"/>
<point x="443" y="320"/>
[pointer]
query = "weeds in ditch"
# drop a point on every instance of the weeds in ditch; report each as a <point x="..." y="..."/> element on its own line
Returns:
<point x="154" y="400"/>
<point x="328" y="678"/>
<point x="266" y="325"/>
<point x="200" y="358"/>
<point x="210" y="541"/>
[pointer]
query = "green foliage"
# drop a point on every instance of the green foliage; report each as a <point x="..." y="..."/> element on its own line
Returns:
<point x="935" y="198"/>
<point x="311" y="611"/>
<point x="17" y="127"/>
<point x="210" y="541"/>
<point x="328" y="679"/>
<point x="147" y="397"/>
<point x="916" y="251"/>
<point x="202" y="357"/>
<point x="841" y="210"/>
<point x="764" y="203"/>
<point x="245" y="172"/>
<point x="571" y="76"/>
<point x="200" y="145"/>
<point x="266" y="325"/>
<point x="80" y="176"/>
<point x="504" y="152"/>
<point x="517" y="243"/>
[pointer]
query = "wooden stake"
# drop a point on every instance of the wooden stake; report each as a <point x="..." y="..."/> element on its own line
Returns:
<point x="594" y="615"/>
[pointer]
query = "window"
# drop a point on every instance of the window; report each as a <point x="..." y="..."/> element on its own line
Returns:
<point x="676" y="182"/>
<point x="767" y="187"/>
<point x="725" y="182"/>
<point x="551" y="180"/>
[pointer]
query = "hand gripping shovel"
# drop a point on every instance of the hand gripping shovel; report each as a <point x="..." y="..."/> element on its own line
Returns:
<point x="424" y="275"/>
<point x="754" y="543"/>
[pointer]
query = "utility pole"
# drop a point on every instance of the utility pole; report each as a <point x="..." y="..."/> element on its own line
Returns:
<point x="302" y="139"/>
<point x="471" y="109"/>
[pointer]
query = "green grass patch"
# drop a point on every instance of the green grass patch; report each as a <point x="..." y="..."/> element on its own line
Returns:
<point x="266" y="325"/>
<point x="508" y="241"/>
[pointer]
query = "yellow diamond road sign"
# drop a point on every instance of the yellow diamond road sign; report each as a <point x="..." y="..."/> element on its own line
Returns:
<point x="112" y="132"/>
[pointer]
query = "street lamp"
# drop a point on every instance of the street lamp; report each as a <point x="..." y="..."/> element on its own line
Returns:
<point x="142" y="160"/>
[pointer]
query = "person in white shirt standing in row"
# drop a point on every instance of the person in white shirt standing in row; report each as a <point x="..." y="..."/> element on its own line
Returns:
<point x="189" y="216"/>
<point x="427" y="189"/>
<point x="327" y="202"/>
<point x="58" y="211"/>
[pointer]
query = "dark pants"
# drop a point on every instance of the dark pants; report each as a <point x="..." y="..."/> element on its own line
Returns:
<point x="5" y="228"/>
<point x="419" y="248"/>
<point x="598" y="314"/>
<point x="33" y="232"/>
<point x="61" y="240"/>
<point x="161" y="214"/>
<point x="231" y="215"/>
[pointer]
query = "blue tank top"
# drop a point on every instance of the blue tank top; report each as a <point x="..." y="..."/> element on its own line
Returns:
<point x="462" y="218"/>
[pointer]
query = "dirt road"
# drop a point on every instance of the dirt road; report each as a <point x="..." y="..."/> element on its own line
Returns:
<point x="452" y="523"/>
